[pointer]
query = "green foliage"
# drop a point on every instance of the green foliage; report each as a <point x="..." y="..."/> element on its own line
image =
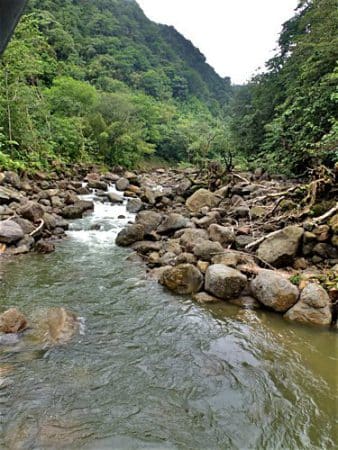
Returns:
<point x="287" y="117"/>
<point x="98" y="81"/>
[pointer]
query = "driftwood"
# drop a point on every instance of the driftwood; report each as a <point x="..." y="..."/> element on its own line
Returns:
<point x="34" y="232"/>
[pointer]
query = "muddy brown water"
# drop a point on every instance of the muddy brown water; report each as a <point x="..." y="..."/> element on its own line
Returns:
<point x="152" y="370"/>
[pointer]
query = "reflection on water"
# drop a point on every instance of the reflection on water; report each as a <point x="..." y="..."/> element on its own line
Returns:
<point x="153" y="370"/>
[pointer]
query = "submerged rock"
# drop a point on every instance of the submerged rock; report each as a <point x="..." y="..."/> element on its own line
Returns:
<point x="282" y="247"/>
<point x="314" y="307"/>
<point x="12" y="321"/>
<point x="182" y="279"/>
<point x="274" y="290"/>
<point x="62" y="325"/>
<point x="224" y="282"/>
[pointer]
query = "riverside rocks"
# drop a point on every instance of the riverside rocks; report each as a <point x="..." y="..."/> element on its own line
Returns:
<point x="10" y="232"/>
<point x="224" y="282"/>
<point x="202" y="198"/>
<point x="280" y="249"/>
<point x="130" y="235"/>
<point x="274" y="291"/>
<point x="12" y="321"/>
<point x="182" y="279"/>
<point x="314" y="307"/>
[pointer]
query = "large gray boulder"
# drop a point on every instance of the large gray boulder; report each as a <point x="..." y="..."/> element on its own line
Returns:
<point x="314" y="307"/>
<point x="274" y="290"/>
<point x="149" y="219"/>
<point x="202" y="198"/>
<point x="206" y="249"/>
<point x="224" y="235"/>
<point x="182" y="279"/>
<point x="172" y="222"/>
<point x="10" y="232"/>
<point x="224" y="282"/>
<point x="281" y="248"/>
<point x="130" y="234"/>
<point x="32" y="211"/>
<point x="134" y="205"/>
<point x="122" y="184"/>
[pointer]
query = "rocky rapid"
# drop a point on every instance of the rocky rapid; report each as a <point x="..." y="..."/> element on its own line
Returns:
<point x="109" y="358"/>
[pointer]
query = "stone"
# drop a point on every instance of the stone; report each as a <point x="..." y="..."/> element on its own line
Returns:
<point x="314" y="307"/>
<point x="246" y="302"/>
<point x="223" y="235"/>
<point x="122" y="184"/>
<point x="281" y="248"/>
<point x="334" y="223"/>
<point x="26" y="225"/>
<point x="31" y="211"/>
<point x="191" y="237"/>
<point x="50" y="221"/>
<point x="149" y="219"/>
<point x="114" y="198"/>
<point x="12" y="321"/>
<point x="130" y="234"/>
<point x="8" y="195"/>
<point x="211" y="217"/>
<point x="258" y="212"/>
<point x="10" y="232"/>
<point x="134" y="205"/>
<point x="62" y="325"/>
<point x="224" y="282"/>
<point x="325" y="251"/>
<point x="206" y="249"/>
<point x="168" y="259"/>
<point x="13" y="179"/>
<point x="202" y="266"/>
<point x="97" y="184"/>
<point x="182" y="279"/>
<point x="183" y="186"/>
<point x="201" y="198"/>
<point x="231" y="259"/>
<point x="274" y="290"/>
<point x="204" y="297"/>
<point x="44" y="247"/>
<point x="186" y="258"/>
<point x="77" y="210"/>
<point x="172" y="222"/>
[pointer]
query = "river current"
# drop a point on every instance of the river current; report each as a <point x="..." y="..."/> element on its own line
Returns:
<point x="152" y="370"/>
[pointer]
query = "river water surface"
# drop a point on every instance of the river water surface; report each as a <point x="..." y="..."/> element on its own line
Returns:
<point x="152" y="370"/>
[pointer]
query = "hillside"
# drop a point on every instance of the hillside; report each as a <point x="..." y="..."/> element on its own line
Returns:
<point x="98" y="81"/>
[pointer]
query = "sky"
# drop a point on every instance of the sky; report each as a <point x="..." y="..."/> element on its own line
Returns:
<point x="236" y="36"/>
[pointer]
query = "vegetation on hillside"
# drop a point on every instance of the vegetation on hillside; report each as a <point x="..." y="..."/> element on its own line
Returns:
<point x="98" y="81"/>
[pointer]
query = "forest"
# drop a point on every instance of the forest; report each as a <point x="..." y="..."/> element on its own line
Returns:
<point x="98" y="82"/>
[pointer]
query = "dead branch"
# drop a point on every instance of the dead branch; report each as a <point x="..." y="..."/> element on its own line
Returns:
<point x="255" y="244"/>
<point x="34" y="232"/>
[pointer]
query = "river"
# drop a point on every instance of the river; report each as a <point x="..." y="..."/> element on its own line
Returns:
<point x="152" y="370"/>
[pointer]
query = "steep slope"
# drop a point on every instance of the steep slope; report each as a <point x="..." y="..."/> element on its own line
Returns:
<point x="114" y="38"/>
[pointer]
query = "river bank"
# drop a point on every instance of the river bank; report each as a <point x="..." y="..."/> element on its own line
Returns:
<point x="218" y="244"/>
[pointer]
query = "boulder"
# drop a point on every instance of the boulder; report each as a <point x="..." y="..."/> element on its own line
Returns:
<point x="211" y="217"/>
<point x="31" y="211"/>
<point x="145" y="247"/>
<point x="280" y="248"/>
<point x="12" y="321"/>
<point x="274" y="290"/>
<point x="97" y="184"/>
<point x="76" y="211"/>
<point x="191" y="237"/>
<point x="130" y="234"/>
<point x="122" y="184"/>
<point x="202" y="198"/>
<point x="8" y="195"/>
<point x="26" y="225"/>
<point x="223" y="235"/>
<point x="172" y="222"/>
<point x="224" y="282"/>
<point x="44" y="247"/>
<point x="206" y="249"/>
<point x="182" y="279"/>
<point x="134" y="205"/>
<point x="314" y="307"/>
<point x="114" y="198"/>
<point x="149" y="219"/>
<point x="10" y="232"/>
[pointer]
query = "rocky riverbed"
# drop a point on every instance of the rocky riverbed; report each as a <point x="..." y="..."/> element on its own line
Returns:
<point x="216" y="245"/>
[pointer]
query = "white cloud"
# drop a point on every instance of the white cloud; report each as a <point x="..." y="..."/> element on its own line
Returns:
<point x="236" y="36"/>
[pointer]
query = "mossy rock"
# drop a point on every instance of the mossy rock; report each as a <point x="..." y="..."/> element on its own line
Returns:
<point x="321" y="208"/>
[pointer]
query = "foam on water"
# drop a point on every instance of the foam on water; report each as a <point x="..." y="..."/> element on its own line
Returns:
<point x="109" y="219"/>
